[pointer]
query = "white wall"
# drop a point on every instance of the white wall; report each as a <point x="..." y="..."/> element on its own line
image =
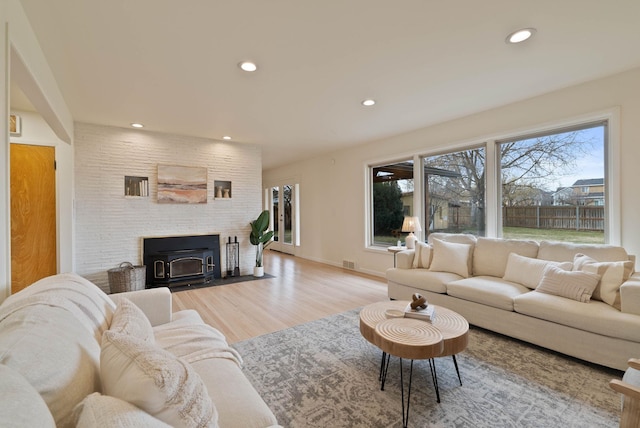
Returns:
<point x="20" y="48"/>
<point x="333" y="186"/>
<point x="109" y="226"/>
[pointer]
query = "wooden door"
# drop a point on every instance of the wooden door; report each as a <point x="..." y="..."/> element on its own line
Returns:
<point x="33" y="214"/>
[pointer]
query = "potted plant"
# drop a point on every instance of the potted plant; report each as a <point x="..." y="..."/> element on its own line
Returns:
<point x="261" y="239"/>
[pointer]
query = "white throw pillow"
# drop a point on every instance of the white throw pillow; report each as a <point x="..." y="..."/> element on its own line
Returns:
<point x="129" y="319"/>
<point x="156" y="381"/>
<point x="612" y="275"/>
<point x="576" y="285"/>
<point x="422" y="255"/>
<point x="528" y="271"/>
<point x="98" y="410"/>
<point x="425" y="256"/>
<point x="450" y="257"/>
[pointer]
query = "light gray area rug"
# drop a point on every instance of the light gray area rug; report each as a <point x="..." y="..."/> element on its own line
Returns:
<point x="325" y="374"/>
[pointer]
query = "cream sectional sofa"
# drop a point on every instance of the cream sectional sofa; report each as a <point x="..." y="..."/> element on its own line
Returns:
<point x="586" y="305"/>
<point x="70" y="355"/>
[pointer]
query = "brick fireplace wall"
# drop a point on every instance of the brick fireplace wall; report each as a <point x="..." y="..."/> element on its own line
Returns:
<point x="109" y="227"/>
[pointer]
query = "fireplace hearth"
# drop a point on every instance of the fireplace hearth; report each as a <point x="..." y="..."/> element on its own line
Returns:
<point x="177" y="261"/>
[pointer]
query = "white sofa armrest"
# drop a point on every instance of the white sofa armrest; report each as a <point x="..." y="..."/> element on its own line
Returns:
<point x="404" y="259"/>
<point x="630" y="295"/>
<point x="154" y="302"/>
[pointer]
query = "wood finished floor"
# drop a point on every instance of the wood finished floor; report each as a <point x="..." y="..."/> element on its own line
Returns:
<point x="300" y="291"/>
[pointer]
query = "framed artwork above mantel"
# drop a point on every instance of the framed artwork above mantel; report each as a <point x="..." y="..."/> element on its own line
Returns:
<point x="182" y="184"/>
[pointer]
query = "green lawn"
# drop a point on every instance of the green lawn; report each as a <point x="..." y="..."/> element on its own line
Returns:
<point x="581" y="236"/>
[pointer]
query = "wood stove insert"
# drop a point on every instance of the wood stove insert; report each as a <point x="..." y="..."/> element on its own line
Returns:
<point x="181" y="260"/>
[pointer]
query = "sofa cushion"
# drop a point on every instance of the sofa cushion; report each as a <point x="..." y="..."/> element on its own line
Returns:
<point x="487" y="290"/>
<point x="65" y="368"/>
<point x="21" y="405"/>
<point x="422" y="279"/>
<point x="98" y="410"/>
<point x="422" y="257"/>
<point x="451" y="257"/>
<point x="490" y="255"/>
<point x="565" y="251"/>
<point x="574" y="285"/>
<point x="597" y="317"/>
<point x="459" y="238"/>
<point x="612" y="275"/>
<point x="156" y="381"/>
<point x="189" y="338"/>
<point x="240" y="406"/>
<point x="129" y="319"/>
<point x="528" y="271"/>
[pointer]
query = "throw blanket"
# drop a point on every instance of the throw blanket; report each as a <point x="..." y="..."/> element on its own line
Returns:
<point x="194" y="341"/>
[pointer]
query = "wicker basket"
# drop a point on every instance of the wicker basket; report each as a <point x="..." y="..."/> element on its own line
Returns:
<point x="127" y="277"/>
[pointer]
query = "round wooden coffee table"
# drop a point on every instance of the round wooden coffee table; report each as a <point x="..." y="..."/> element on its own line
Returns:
<point x="447" y="334"/>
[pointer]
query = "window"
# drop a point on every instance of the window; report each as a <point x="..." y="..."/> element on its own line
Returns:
<point x="454" y="192"/>
<point x="392" y="199"/>
<point x="553" y="185"/>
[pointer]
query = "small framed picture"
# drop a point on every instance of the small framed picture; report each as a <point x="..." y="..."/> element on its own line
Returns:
<point x="15" y="125"/>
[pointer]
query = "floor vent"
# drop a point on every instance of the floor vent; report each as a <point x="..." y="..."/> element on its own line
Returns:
<point x="348" y="264"/>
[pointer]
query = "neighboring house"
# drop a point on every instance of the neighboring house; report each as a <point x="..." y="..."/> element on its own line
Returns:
<point x="587" y="192"/>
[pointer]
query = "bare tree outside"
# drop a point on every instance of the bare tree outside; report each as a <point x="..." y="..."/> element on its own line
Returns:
<point x="531" y="170"/>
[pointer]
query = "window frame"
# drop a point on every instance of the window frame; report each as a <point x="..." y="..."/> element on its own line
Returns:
<point x="493" y="201"/>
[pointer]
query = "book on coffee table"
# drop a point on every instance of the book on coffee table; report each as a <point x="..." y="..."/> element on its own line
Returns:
<point x="427" y="314"/>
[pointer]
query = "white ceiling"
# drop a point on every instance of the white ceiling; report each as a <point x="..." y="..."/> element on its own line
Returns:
<point x="173" y="65"/>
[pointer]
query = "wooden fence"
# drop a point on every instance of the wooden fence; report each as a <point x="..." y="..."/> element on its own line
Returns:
<point x="554" y="217"/>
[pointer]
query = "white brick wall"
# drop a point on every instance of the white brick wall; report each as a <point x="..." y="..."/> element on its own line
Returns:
<point x="109" y="226"/>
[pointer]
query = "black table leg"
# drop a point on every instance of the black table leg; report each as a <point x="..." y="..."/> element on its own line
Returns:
<point x="434" y="376"/>
<point x="455" y="363"/>
<point x="405" y="414"/>
<point x="384" y="367"/>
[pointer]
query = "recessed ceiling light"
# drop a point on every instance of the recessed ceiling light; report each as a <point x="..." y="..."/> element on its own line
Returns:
<point x="248" y="66"/>
<point x="226" y="137"/>
<point x="520" y="35"/>
<point x="137" y="125"/>
<point x="368" y="103"/>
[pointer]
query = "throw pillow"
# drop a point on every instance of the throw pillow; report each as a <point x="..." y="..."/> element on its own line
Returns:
<point x="154" y="380"/>
<point x="576" y="285"/>
<point x="425" y="256"/>
<point x="612" y="275"/>
<point x="98" y="410"/>
<point x="129" y="319"/>
<point x="422" y="254"/>
<point x="528" y="271"/>
<point x="451" y="257"/>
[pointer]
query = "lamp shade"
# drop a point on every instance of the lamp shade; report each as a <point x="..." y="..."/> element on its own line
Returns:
<point x="411" y="224"/>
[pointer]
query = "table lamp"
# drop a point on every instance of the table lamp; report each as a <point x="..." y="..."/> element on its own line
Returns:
<point x="411" y="224"/>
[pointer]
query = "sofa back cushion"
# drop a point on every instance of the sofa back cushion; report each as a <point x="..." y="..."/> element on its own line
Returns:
<point x="92" y="306"/>
<point x="490" y="255"/>
<point x="50" y="332"/>
<point x="21" y="405"/>
<point x="57" y="355"/>
<point x="458" y="238"/>
<point x="565" y="252"/>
